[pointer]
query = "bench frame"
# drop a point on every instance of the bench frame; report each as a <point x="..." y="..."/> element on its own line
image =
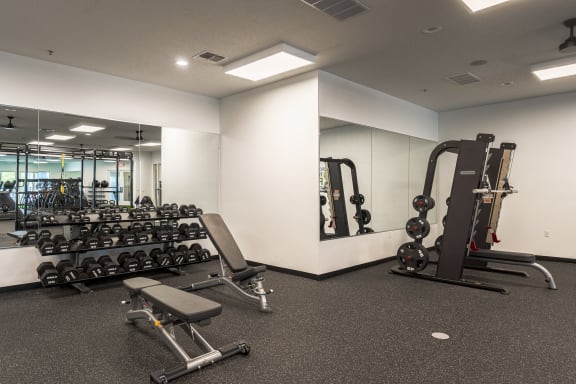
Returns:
<point x="234" y="272"/>
<point x="164" y="323"/>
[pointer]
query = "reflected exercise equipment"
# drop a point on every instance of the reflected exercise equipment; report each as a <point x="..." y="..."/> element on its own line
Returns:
<point x="333" y="197"/>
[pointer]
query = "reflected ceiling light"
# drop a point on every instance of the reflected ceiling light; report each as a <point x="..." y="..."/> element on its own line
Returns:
<point x="87" y="128"/>
<point x="121" y="149"/>
<point x="60" y="137"/>
<point x="555" y="69"/>
<point x="150" y="144"/>
<point x="109" y="161"/>
<point x="40" y="143"/>
<point x="269" y="62"/>
<point x="478" y="5"/>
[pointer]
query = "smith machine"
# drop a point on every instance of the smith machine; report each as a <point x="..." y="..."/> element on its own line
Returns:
<point x="470" y="224"/>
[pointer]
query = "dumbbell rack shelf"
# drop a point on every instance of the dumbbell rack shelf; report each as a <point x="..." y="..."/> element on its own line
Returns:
<point x="82" y="288"/>
<point x="94" y="225"/>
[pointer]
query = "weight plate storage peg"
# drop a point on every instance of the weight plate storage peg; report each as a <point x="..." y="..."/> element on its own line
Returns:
<point x="417" y="228"/>
<point x="423" y="203"/>
<point x="413" y="257"/>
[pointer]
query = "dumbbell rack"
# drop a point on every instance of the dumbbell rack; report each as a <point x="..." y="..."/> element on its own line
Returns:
<point x="78" y="254"/>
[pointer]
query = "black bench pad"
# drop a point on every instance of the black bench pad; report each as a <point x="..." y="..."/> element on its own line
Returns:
<point x="248" y="273"/>
<point x="136" y="284"/>
<point x="222" y="239"/>
<point x="503" y="256"/>
<point x="183" y="305"/>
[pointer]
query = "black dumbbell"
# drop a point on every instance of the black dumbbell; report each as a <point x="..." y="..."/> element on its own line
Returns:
<point x="127" y="262"/>
<point x="161" y="258"/>
<point x="104" y="240"/>
<point x="136" y="227"/>
<point x="90" y="242"/>
<point x="116" y="228"/>
<point x="197" y="212"/>
<point x="61" y="244"/>
<point x="67" y="271"/>
<point x="162" y="233"/>
<point x="91" y="267"/>
<point x="29" y="238"/>
<point x="184" y="230"/>
<point x="144" y="261"/>
<point x="195" y="250"/>
<point x="106" y="229"/>
<point x="148" y="226"/>
<point x="46" y="246"/>
<point x="141" y="237"/>
<point x="177" y="257"/>
<point x="205" y="255"/>
<point x="125" y="237"/>
<point x="73" y="217"/>
<point x="183" y="249"/>
<point x="47" y="274"/>
<point x="44" y="234"/>
<point x="109" y="267"/>
<point x="184" y="211"/>
<point x="201" y="232"/>
<point x="83" y="231"/>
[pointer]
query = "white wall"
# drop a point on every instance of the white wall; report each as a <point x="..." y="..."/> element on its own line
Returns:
<point x="344" y="100"/>
<point x="543" y="168"/>
<point x="269" y="182"/>
<point x="39" y="84"/>
<point x="190" y="168"/>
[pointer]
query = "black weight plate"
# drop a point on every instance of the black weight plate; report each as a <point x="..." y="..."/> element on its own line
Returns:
<point x="423" y="203"/>
<point x="438" y="244"/>
<point x="412" y="257"/>
<point x="417" y="228"/>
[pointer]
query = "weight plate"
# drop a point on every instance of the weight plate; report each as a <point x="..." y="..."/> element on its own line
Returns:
<point x="438" y="244"/>
<point x="417" y="228"/>
<point x="423" y="203"/>
<point x="412" y="257"/>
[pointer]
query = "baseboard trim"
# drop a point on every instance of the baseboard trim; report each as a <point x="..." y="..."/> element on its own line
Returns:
<point x="324" y="275"/>
<point x="554" y="258"/>
<point x="20" y="287"/>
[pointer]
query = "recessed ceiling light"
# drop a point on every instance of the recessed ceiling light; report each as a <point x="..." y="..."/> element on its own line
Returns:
<point x="121" y="149"/>
<point x="60" y="137"/>
<point x="555" y="69"/>
<point x="270" y="62"/>
<point x="35" y="142"/>
<point x="87" y="128"/>
<point x="432" y="29"/>
<point x="150" y="144"/>
<point x="182" y="62"/>
<point x="478" y="5"/>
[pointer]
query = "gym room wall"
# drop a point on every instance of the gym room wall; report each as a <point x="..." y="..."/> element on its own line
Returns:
<point x="542" y="171"/>
<point x="49" y="86"/>
<point x="270" y="155"/>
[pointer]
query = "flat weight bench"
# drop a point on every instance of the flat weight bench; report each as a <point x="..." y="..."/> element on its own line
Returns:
<point x="512" y="258"/>
<point x="242" y="279"/>
<point x="164" y="307"/>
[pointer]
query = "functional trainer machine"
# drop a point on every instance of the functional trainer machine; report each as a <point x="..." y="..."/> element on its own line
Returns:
<point x="241" y="278"/>
<point x="457" y="247"/>
<point x="164" y="308"/>
<point x="335" y="197"/>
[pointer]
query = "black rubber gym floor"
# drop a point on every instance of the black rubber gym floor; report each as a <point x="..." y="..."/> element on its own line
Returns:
<point x="366" y="326"/>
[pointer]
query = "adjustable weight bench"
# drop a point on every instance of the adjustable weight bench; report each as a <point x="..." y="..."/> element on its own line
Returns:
<point x="164" y="307"/>
<point x="512" y="258"/>
<point x="243" y="279"/>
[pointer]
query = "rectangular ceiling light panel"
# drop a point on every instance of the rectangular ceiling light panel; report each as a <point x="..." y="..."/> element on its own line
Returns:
<point x="40" y="143"/>
<point x="555" y="69"/>
<point x="270" y="62"/>
<point x="60" y="137"/>
<point x="478" y="5"/>
<point x="87" y="128"/>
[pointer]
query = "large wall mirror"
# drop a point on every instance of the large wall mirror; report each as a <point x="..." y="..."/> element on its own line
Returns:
<point x="51" y="160"/>
<point x="390" y="170"/>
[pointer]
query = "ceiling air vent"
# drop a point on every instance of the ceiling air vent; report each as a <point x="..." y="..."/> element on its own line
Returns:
<point x="464" y="79"/>
<point x="339" y="9"/>
<point x="209" y="56"/>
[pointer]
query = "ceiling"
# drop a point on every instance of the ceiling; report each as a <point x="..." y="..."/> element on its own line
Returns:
<point x="383" y="48"/>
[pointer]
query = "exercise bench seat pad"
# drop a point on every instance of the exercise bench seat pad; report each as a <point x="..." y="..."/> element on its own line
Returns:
<point x="223" y="241"/>
<point x="136" y="284"/>
<point x="501" y="255"/>
<point x="183" y="305"/>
